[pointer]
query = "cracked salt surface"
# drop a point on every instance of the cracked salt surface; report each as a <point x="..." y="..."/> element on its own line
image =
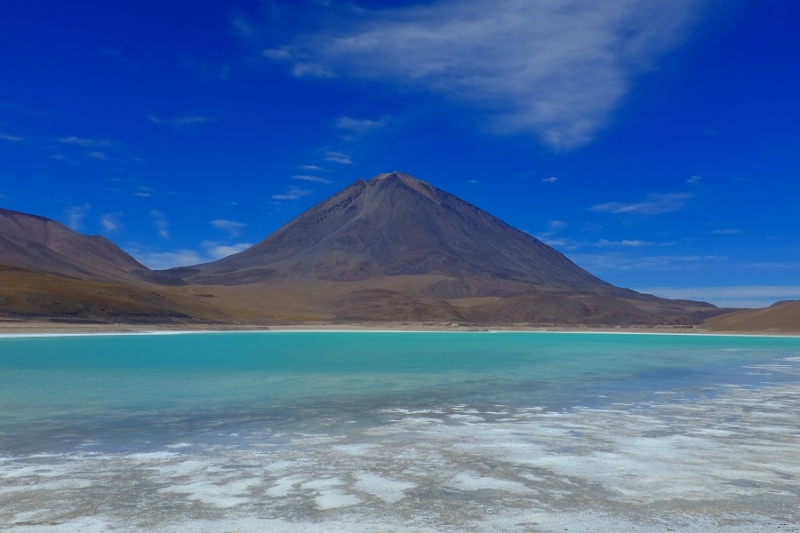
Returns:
<point x="726" y="461"/>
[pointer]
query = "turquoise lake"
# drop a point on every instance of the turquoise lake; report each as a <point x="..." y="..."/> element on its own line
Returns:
<point x="135" y="390"/>
<point x="301" y="428"/>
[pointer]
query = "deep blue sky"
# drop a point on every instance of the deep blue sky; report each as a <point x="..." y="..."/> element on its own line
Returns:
<point x="658" y="146"/>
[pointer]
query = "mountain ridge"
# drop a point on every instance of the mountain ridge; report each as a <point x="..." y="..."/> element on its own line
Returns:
<point x="397" y="248"/>
<point x="384" y="223"/>
<point x="392" y="248"/>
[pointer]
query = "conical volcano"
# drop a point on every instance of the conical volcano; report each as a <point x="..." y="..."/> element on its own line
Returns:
<point x="396" y="225"/>
<point x="396" y="248"/>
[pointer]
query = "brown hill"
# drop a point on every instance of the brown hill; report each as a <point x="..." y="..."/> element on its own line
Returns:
<point x="49" y="270"/>
<point x="40" y="244"/>
<point x="782" y="317"/>
<point x="396" y="248"/>
<point x="35" y="294"/>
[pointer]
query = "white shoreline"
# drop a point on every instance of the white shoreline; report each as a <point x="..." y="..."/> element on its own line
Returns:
<point x="489" y="331"/>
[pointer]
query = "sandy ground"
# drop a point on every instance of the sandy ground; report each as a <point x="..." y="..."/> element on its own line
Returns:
<point x="40" y="327"/>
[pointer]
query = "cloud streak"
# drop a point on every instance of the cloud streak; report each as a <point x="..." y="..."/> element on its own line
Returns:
<point x="338" y="157"/>
<point x="315" y="179"/>
<point x="217" y="251"/>
<point x="110" y="222"/>
<point x="292" y="193"/>
<point x="88" y="143"/>
<point x="557" y="69"/>
<point x="177" y="122"/>
<point x="627" y="243"/>
<point x="231" y="226"/>
<point x="360" y="126"/>
<point x="616" y="262"/>
<point x="76" y="214"/>
<point x="161" y="223"/>
<point x="185" y="257"/>
<point x="654" y="204"/>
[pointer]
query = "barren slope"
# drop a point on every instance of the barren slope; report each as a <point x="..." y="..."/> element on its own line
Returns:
<point x="782" y="317"/>
<point x="396" y="248"/>
<point x="38" y="243"/>
<point x="27" y="294"/>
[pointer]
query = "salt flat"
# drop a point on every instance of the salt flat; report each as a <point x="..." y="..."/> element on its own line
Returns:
<point x="722" y="457"/>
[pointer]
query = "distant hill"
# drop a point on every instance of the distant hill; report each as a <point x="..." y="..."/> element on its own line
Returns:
<point x="782" y="317"/>
<point x="49" y="270"/>
<point x="397" y="248"/>
<point x="40" y="244"/>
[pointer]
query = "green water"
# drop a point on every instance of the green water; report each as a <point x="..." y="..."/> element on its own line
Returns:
<point x="60" y="392"/>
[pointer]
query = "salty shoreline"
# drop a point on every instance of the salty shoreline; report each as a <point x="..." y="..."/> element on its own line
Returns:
<point x="721" y="461"/>
<point x="16" y="328"/>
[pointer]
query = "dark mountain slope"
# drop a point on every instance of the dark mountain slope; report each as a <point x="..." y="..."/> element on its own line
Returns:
<point x="397" y="225"/>
<point x="396" y="248"/>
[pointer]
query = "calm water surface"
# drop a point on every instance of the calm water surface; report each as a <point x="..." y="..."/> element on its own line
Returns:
<point x="138" y="392"/>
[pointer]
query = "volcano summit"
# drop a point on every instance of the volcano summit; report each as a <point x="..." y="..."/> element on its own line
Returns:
<point x="397" y="248"/>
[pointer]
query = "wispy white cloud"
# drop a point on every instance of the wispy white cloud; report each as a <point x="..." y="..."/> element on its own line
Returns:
<point x="551" y="237"/>
<point x="625" y="243"/>
<point x="231" y="226"/>
<point x="310" y="70"/>
<point x="694" y="180"/>
<point x="243" y="27"/>
<point x="99" y="149"/>
<point x="76" y="214"/>
<point x="558" y="242"/>
<point x="616" y="261"/>
<point x="654" y="204"/>
<point x="313" y="168"/>
<point x="338" y="157"/>
<point x="171" y="259"/>
<point x="176" y="122"/>
<point x="110" y="222"/>
<point x="315" y="179"/>
<point x="736" y="296"/>
<point x="143" y="192"/>
<point x="217" y="251"/>
<point x="88" y="143"/>
<point x="360" y="126"/>
<point x="211" y="251"/>
<point x="10" y="138"/>
<point x="727" y="231"/>
<point x="551" y="179"/>
<point x="292" y="193"/>
<point x="97" y="154"/>
<point x="277" y="54"/>
<point x="558" y="69"/>
<point x="161" y="223"/>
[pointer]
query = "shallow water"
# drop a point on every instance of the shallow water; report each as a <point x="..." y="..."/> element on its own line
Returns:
<point x="401" y="431"/>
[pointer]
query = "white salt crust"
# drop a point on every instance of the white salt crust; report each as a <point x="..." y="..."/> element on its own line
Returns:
<point x="727" y="462"/>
